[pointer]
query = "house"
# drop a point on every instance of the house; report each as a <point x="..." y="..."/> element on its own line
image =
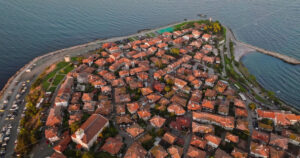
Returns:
<point x="239" y="112"/>
<point x="239" y="103"/>
<point x="179" y="83"/>
<point x="242" y="125"/>
<point x="259" y="150"/>
<point x="208" y="105"/>
<point x="64" y="93"/>
<point x="238" y="153"/>
<point x="54" y="117"/>
<point x="193" y="106"/>
<point x="76" y="97"/>
<point x="181" y="123"/>
<point x="277" y="153"/>
<point x="279" y="141"/>
<point x="224" y="108"/>
<point x="195" y="153"/>
<point x="63" y="144"/>
<point x="133" y="107"/>
<point x="135" y="151"/>
<point x="87" y="97"/>
<point x="158" y="152"/>
<point x="221" y="86"/>
<point x="158" y="86"/>
<point x="82" y="77"/>
<point x="88" y="132"/>
<point x="76" y="117"/>
<point x="52" y="134"/>
<point x="206" y="37"/>
<point x="175" y="151"/>
<point x="212" y="140"/>
<point x="124" y="120"/>
<point x="153" y="97"/>
<point x="89" y="107"/>
<point x="134" y="130"/>
<point x="231" y="138"/>
<point x="262" y="137"/>
<point x="144" y="114"/>
<point x="225" y="122"/>
<point x="179" y="100"/>
<point x="211" y="80"/>
<point x="198" y="142"/>
<point x="169" y="138"/>
<point x="157" y="121"/>
<point x="120" y="109"/>
<point x="73" y="108"/>
<point x="104" y="107"/>
<point x="293" y="137"/>
<point x="196" y="34"/>
<point x="202" y="128"/>
<point x="57" y="155"/>
<point x="176" y="109"/>
<point x="113" y="145"/>
<point x="210" y="94"/>
<point x="281" y="118"/>
<point x="208" y="47"/>
<point x="221" y="154"/>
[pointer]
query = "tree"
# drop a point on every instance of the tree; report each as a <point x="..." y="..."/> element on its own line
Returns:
<point x="74" y="126"/>
<point x="175" y="51"/>
<point x="252" y="106"/>
<point x="87" y="155"/>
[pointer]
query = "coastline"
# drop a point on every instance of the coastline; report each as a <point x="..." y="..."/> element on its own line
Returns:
<point x="240" y="52"/>
<point x="85" y="48"/>
<point x="73" y="48"/>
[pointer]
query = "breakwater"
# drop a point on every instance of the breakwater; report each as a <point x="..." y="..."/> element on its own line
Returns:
<point x="282" y="57"/>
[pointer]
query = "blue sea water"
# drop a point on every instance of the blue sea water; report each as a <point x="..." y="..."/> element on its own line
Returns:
<point x="31" y="28"/>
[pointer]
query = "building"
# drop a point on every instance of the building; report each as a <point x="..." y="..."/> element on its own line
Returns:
<point x="64" y="93"/>
<point x="87" y="134"/>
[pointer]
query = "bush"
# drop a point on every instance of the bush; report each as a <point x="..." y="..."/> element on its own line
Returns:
<point x="252" y="106"/>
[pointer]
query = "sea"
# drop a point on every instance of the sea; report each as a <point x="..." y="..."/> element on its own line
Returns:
<point x="33" y="27"/>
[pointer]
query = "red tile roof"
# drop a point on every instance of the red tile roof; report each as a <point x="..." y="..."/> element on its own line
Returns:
<point x="195" y="153"/>
<point x="134" y="130"/>
<point x="279" y="141"/>
<point x="157" y="121"/>
<point x="198" y="142"/>
<point x="91" y="127"/>
<point x="135" y="151"/>
<point x="261" y="136"/>
<point x="113" y="145"/>
<point x="259" y="149"/>
<point x="169" y="137"/>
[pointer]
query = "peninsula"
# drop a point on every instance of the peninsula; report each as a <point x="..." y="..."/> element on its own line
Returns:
<point x="174" y="91"/>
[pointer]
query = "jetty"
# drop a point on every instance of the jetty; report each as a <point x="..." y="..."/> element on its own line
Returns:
<point x="242" y="48"/>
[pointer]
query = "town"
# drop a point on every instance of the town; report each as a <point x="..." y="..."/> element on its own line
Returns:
<point x="165" y="94"/>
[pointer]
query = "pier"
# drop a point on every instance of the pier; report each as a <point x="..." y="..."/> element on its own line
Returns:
<point x="242" y="48"/>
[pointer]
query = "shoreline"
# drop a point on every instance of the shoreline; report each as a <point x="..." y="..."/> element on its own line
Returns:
<point x="240" y="52"/>
<point x="18" y="73"/>
<point x="83" y="49"/>
<point x="245" y="48"/>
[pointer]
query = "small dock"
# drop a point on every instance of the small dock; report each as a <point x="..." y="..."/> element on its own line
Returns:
<point x="284" y="58"/>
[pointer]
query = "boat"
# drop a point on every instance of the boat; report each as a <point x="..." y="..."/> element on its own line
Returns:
<point x="202" y="15"/>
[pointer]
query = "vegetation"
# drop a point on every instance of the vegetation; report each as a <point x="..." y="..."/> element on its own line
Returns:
<point x="110" y="131"/>
<point x="252" y="106"/>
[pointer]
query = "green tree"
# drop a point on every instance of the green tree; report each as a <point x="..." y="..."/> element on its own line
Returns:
<point x="87" y="155"/>
<point x="175" y="51"/>
<point x="74" y="126"/>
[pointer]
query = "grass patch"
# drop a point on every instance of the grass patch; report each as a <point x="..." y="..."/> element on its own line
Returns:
<point x="152" y="34"/>
<point x="67" y="69"/>
<point x="52" y="89"/>
<point x="45" y="85"/>
<point x="58" y="79"/>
